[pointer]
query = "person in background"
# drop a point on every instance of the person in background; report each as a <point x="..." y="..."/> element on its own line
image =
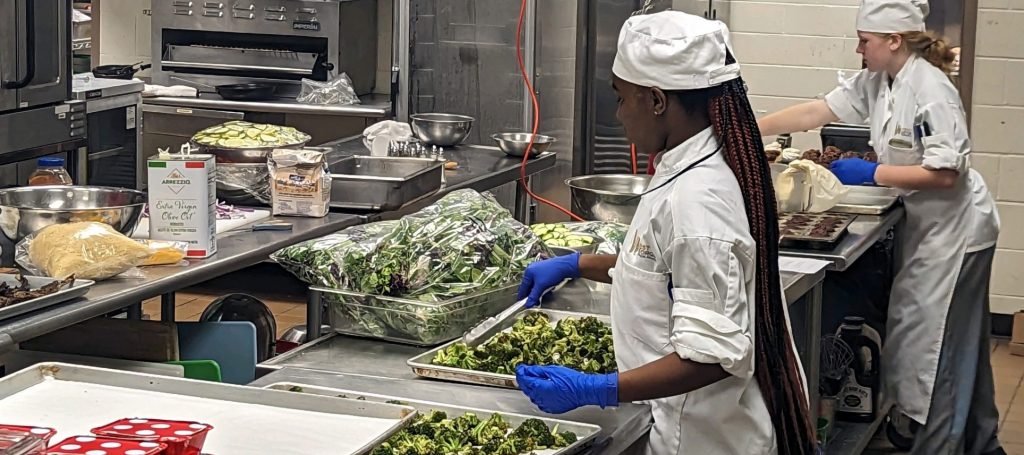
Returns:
<point x="698" y="319"/>
<point x="935" y="361"/>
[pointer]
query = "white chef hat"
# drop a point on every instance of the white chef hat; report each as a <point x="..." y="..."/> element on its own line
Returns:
<point x="673" y="50"/>
<point x="892" y="16"/>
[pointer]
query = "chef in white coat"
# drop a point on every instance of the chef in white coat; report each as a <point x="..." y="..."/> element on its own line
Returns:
<point x="935" y="361"/>
<point x="700" y="329"/>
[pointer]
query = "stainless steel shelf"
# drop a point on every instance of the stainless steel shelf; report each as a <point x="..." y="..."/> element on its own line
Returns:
<point x="853" y="438"/>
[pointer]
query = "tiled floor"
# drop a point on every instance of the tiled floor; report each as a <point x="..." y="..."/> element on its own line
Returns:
<point x="1008" y="369"/>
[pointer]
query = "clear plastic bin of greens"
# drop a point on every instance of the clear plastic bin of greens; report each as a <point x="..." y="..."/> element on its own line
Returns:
<point x="412" y="321"/>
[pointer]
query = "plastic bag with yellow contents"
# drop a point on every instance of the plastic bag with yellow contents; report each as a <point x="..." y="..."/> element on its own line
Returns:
<point x="87" y="250"/>
<point x="165" y="252"/>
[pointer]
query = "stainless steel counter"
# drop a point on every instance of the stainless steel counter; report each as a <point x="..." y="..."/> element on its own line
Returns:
<point x="620" y="427"/>
<point x="236" y="250"/>
<point x="481" y="170"/>
<point x="373" y="106"/>
<point x="863" y="232"/>
<point x="380" y="367"/>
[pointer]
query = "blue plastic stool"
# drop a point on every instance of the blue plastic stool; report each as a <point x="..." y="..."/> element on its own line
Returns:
<point x="231" y="344"/>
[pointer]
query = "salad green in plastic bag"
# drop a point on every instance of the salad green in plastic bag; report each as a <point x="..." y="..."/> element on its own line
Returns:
<point x="466" y="243"/>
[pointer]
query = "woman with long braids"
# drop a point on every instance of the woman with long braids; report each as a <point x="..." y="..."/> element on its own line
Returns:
<point x="935" y="362"/>
<point x="700" y="327"/>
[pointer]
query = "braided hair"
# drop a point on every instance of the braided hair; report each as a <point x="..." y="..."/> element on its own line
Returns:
<point x="776" y="369"/>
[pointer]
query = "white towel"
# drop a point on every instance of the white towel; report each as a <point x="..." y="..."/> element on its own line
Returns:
<point x="181" y="91"/>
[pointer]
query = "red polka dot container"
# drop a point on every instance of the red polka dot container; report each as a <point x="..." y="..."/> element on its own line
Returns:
<point x="91" y="445"/>
<point x="182" y="438"/>
<point x="40" y="432"/>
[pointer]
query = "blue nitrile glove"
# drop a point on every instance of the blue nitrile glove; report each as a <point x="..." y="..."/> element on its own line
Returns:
<point x="556" y="390"/>
<point x="854" y="171"/>
<point x="543" y="275"/>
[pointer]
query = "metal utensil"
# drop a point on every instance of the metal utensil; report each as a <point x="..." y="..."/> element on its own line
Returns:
<point x="607" y="197"/>
<point x="514" y="144"/>
<point x="492" y="324"/>
<point x="246" y="92"/>
<point x="836" y="357"/>
<point x="29" y="209"/>
<point x="443" y="130"/>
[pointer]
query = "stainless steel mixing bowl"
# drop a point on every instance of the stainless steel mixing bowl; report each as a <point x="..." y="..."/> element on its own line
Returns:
<point x="242" y="155"/>
<point x="442" y="130"/>
<point x="28" y="209"/>
<point x="514" y="144"/>
<point x="607" y="197"/>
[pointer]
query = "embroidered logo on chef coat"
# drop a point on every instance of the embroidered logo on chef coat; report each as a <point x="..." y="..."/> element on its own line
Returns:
<point x="641" y="249"/>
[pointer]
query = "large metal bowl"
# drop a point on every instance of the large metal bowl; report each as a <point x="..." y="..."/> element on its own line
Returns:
<point x="442" y="130"/>
<point x="607" y="197"/>
<point x="514" y="144"/>
<point x="252" y="155"/>
<point x="243" y="183"/>
<point x="28" y="209"/>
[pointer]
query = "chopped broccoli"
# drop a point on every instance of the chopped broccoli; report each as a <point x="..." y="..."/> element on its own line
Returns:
<point x="583" y="344"/>
<point x="435" y="434"/>
<point x="383" y="449"/>
<point x="535" y="431"/>
<point x="563" y="439"/>
<point x="295" y="388"/>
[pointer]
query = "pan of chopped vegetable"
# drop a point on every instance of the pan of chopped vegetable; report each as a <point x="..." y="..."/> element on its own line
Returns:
<point x="535" y="337"/>
<point x="450" y="429"/>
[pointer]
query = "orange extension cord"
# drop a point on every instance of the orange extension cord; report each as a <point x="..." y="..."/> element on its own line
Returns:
<point x="523" y="179"/>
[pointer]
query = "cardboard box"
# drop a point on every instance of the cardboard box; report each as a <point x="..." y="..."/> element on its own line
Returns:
<point x="1017" y="349"/>
<point x="1017" y="340"/>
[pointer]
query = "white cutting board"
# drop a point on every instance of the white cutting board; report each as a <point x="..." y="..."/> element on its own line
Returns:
<point x="73" y="408"/>
<point x="142" y="231"/>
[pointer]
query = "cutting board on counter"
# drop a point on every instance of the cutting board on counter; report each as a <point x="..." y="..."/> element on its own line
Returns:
<point x="142" y="231"/>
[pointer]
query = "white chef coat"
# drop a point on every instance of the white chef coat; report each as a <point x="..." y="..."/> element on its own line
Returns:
<point x="684" y="285"/>
<point x="941" y="226"/>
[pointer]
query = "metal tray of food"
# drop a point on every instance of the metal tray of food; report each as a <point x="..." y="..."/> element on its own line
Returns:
<point x="74" y="399"/>
<point x="813" y="230"/>
<point x="76" y="289"/>
<point x="867" y="200"/>
<point x="585" y="432"/>
<point x="382" y="183"/>
<point x="422" y="365"/>
<point x="410" y="321"/>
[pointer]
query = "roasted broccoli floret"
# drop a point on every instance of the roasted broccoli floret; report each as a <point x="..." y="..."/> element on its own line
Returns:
<point x="383" y="449"/>
<point x="534" y="433"/>
<point x="466" y="422"/>
<point x="563" y="439"/>
<point x="470" y="450"/>
<point x="509" y="447"/>
<point x="295" y="388"/>
<point x="421" y="427"/>
<point x="495" y="427"/>
<point x="417" y="445"/>
<point x="436" y="416"/>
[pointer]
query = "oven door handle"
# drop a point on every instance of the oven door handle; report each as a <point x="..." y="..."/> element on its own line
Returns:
<point x="30" y="49"/>
<point x="105" y="154"/>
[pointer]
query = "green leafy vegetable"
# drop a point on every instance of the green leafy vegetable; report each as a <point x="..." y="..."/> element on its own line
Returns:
<point x="466" y="244"/>
<point x="583" y="344"/>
